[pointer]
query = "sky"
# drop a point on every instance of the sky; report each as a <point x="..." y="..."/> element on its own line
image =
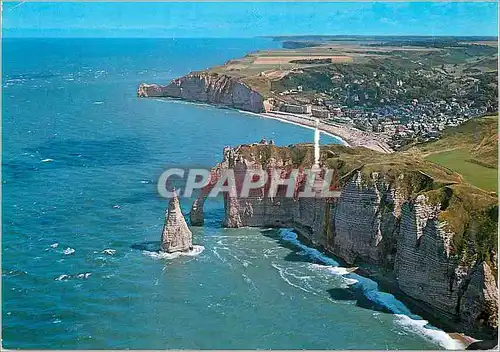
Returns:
<point x="246" y="19"/>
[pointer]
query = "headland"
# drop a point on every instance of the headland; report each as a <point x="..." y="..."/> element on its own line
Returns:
<point x="380" y="93"/>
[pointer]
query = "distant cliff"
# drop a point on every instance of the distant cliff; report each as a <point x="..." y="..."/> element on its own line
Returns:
<point x="207" y="87"/>
<point x="413" y="218"/>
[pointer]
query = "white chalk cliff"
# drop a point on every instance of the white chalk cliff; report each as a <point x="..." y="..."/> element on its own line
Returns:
<point x="176" y="236"/>
<point x="210" y="88"/>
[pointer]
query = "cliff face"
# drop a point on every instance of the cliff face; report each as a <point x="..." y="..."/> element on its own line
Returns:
<point x="398" y="219"/>
<point x="210" y="88"/>
<point x="428" y="267"/>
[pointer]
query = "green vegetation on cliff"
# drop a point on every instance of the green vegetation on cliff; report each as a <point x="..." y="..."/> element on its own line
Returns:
<point x="470" y="149"/>
<point x="460" y="161"/>
<point x="472" y="216"/>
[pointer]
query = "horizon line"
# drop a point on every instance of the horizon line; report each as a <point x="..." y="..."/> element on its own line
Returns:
<point x="280" y="36"/>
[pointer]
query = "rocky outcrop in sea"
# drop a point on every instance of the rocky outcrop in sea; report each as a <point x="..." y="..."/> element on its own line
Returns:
<point x="404" y="222"/>
<point x="210" y="88"/>
<point x="176" y="236"/>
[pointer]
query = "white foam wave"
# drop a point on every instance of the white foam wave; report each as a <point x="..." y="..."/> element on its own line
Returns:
<point x="98" y="102"/>
<point x="337" y="271"/>
<point x="54" y="245"/>
<point x="163" y="255"/>
<point x="269" y="252"/>
<point x="13" y="82"/>
<point x="369" y="287"/>
<point x="83" y="275"/>
<point x="109" y="251"/>
<point x="68" y="251"/>
<point x="282" y="273"/>
<point x="350" y="282"/>
<point x="334" y="270"/>
<point x="214" y="250"/>
<point x="47" y="160"/>
<point x="244" y="262"/>
<point x="63" y="277"/>
<point x="421" y="328"/>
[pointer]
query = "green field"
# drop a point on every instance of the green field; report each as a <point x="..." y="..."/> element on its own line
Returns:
<point x="459" y="160"/>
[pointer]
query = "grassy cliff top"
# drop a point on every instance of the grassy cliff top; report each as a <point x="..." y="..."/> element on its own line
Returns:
<point x="346" y="160"/>
<point x="479" y="136"/>
<point x="470" y="150"/>
<point x="465" y="155"/>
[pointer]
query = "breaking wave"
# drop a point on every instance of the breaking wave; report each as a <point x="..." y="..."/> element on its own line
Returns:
<point x="369" y="288"/>
<point x="68" y="251"/>
<point x="335" y="270"/>
<point x="163" y="255"/>
<point x="423" y="328"/>
<point x="65" y="277"/>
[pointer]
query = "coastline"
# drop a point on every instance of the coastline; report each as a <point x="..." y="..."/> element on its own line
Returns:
<point x="349" y="136"/>
<point x="260" y="115"/>
<point x="290" y="121"/>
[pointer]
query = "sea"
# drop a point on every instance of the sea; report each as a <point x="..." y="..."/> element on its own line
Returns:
<point x="81" y="216"/>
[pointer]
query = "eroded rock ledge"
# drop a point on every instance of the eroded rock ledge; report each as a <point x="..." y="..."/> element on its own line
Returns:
<point x="411" y="217"/>
<point x="210" y="88"/>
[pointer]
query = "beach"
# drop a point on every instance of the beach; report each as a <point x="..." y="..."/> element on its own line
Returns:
<point x="349" y="136"/>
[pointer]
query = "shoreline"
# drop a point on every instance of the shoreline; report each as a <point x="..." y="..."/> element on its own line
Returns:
<point x="347" y="136"/>
<point x="284" y="120"/>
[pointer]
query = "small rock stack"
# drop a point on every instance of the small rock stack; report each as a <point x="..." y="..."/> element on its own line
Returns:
<point x="176" y="236"/>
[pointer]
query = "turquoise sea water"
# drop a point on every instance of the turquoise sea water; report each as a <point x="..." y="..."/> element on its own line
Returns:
<point x="81" y="155"/>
